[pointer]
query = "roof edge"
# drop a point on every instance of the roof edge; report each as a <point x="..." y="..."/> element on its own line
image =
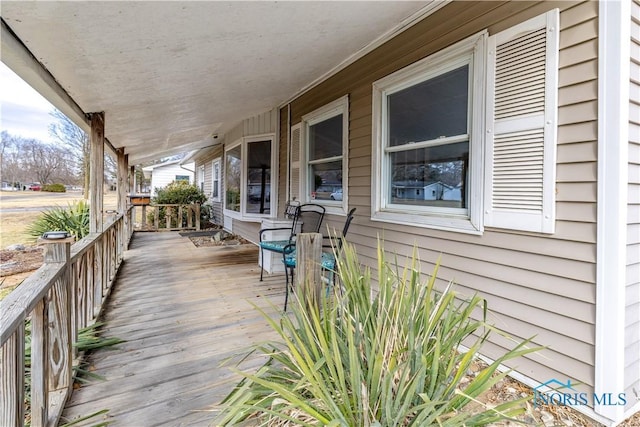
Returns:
<point x="408" y="22"/>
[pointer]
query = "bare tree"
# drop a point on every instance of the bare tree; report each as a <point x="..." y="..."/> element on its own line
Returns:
<point x="10" y="163"/>
<point x="76" y="142"/>
<point x="45" y="162"/>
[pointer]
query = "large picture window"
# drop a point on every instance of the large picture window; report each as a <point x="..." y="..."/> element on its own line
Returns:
<point x="428" y="153"/>
<point x="324" y="147"/>
<point x="248" y="184"/>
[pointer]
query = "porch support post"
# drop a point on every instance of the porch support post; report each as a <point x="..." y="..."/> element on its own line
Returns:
<point x="308" y="280"/>
<point x="122" y="175"/>
<point x="96" y="182"/>
<point x="132" y="180"/>
<point x="613" y="141"/>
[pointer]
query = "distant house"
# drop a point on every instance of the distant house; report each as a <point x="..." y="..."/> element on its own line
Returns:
<point x="167" y="172"/>
<point x="425" y="191"/>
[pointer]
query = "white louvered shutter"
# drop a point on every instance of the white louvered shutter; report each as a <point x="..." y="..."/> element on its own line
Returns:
<point x="294" y="175"/>
<point x="522" y="91"/>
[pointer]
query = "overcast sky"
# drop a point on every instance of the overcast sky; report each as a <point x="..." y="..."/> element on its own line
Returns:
<point x="23" y="111"/>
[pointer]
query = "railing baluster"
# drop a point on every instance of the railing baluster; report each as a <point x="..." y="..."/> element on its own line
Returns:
<point x="40" y="363"/>
<point x="12" y="379"/>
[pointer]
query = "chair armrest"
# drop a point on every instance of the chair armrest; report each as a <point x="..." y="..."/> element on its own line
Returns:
<point x="264" y="230"/>
<point x="288" y="249"/>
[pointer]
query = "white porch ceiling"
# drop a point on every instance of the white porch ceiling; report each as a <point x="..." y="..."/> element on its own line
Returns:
<point x="170" y="74"/>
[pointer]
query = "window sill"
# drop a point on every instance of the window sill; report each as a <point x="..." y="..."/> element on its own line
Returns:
<point x="246" y="217"/>
<point x="445" y="223"/>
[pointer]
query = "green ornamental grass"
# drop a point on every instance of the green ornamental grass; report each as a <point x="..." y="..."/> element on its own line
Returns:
<point x="389" y="359"/>
<point x="74" y="219"/>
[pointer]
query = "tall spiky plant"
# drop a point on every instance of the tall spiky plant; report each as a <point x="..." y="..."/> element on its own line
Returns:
<point x="74" y="219"/>
<point x="390" y="360"/>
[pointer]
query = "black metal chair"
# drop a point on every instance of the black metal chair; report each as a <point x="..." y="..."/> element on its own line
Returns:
<point x="328" y="261"/>
<point x="306" y="218"/>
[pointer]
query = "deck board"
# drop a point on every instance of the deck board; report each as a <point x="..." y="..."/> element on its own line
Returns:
<point x="183" y="310"/>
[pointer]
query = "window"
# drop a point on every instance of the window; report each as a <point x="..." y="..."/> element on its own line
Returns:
<point x="183" y="178"/>
<point x="233" y="182"/>
<point x="466" y="137"/>
<point x="430" y="140"/>
<point x="201" y="178"/>
<point x="248" y="183"/>
<point x="324" y="169"/>
<point x="215" y="180"/>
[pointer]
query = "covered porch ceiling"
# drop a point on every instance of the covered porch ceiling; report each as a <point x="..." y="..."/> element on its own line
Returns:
<point x="170" y="75"/>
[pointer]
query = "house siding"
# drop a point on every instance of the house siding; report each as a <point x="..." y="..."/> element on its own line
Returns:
<point x="541" y="285"/>
<point x="161" y="176"/>
<point x="632" y="309"/>
<point x="204" y="159"/>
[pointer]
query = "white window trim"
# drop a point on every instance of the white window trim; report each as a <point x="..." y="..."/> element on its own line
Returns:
<point x="335" y="108"/>
<point x="471" y="220"/>
<point x="217" y="160"/>
<point x="201" y="175"/>
<point x="243" y="142"/>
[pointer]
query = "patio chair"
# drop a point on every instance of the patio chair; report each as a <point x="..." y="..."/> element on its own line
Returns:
<point x="306" y="218"/>
<point x="328" y="262"/>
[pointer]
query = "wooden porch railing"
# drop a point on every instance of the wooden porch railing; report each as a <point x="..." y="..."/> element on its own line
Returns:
<point x="168" y="217"/>
<point x="63" y="296"/>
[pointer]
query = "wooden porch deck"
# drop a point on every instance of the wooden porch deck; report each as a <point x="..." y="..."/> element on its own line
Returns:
<point x="182" y="311"/>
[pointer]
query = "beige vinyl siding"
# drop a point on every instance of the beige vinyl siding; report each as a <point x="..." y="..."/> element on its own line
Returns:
<point x="204" y="158"/>
<point x="535" y="284"/>
<point x="248" y="230"/>
<point x="632" y="321"/>
<point x="257" y="125"/>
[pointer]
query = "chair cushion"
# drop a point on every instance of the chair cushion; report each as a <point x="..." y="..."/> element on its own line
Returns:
<point x="328" y="260"/>
<point x="274" y="245"/>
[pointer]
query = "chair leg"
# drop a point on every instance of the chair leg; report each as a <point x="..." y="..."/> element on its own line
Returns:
<point x="286" y="289"/>
<point x="261" y="263"/>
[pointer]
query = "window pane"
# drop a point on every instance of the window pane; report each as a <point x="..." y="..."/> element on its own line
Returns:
<point x="434" y="176"/>
<point x="325" y="138"/>
<point x="325" y="179"/>
<point x="429" y="110"/>
<point x="258" y="177"/>
<point x="234" y="175"/>
<point x="216" y="179"/>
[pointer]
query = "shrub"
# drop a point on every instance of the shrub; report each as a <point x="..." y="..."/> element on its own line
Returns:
<point x="54" y="188"/>
<point x="177" y="192"/>
<point x="73" y="219"/>
<point x="391" y="360"/>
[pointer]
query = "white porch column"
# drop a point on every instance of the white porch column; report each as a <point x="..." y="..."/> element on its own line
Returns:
<point x="613" y="141"/>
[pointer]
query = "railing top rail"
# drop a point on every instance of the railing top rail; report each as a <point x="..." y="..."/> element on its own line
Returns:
<point x="15" y="307"/>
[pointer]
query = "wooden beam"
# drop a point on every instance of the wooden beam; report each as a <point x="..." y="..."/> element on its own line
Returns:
<point x="16" y="56"/>
<point x="96" y="182"/>
<point x="122" y="179"/>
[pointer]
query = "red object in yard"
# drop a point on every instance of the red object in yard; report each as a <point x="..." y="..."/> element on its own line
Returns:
<point x="34" y="187"/>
